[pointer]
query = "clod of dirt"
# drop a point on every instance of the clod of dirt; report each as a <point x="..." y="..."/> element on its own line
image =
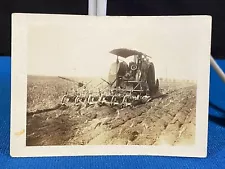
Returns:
<point x="133" y="135"/>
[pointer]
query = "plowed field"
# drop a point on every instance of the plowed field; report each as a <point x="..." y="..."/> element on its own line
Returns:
<point x="168" y="120"/>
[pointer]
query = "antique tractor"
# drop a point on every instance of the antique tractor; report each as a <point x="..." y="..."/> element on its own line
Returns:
<point x="128" y="84"/>
<point x="137" y="76"/>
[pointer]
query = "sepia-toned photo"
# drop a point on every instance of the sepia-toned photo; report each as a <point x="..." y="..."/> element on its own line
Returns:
<point x="105" y="81"/>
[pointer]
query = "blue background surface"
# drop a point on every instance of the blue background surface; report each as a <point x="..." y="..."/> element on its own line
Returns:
<point x="216" y="139"/>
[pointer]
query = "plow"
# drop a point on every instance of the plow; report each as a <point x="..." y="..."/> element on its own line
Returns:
<point x="128" y="84"/>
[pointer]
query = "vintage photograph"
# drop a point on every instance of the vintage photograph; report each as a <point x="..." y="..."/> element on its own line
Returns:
<point x="114" y="81"/>
<point x="83" y="90"/>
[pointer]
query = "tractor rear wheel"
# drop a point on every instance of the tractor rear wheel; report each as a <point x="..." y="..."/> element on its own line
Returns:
<point x="151" y="78"/>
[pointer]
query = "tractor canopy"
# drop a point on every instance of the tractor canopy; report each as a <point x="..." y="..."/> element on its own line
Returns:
<point x="125" y="53"/>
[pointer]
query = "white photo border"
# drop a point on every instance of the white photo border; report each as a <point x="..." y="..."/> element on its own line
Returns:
<point x="18" y="148"/>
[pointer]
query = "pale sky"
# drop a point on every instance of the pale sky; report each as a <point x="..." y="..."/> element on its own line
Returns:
<point x="81" y="48"/>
